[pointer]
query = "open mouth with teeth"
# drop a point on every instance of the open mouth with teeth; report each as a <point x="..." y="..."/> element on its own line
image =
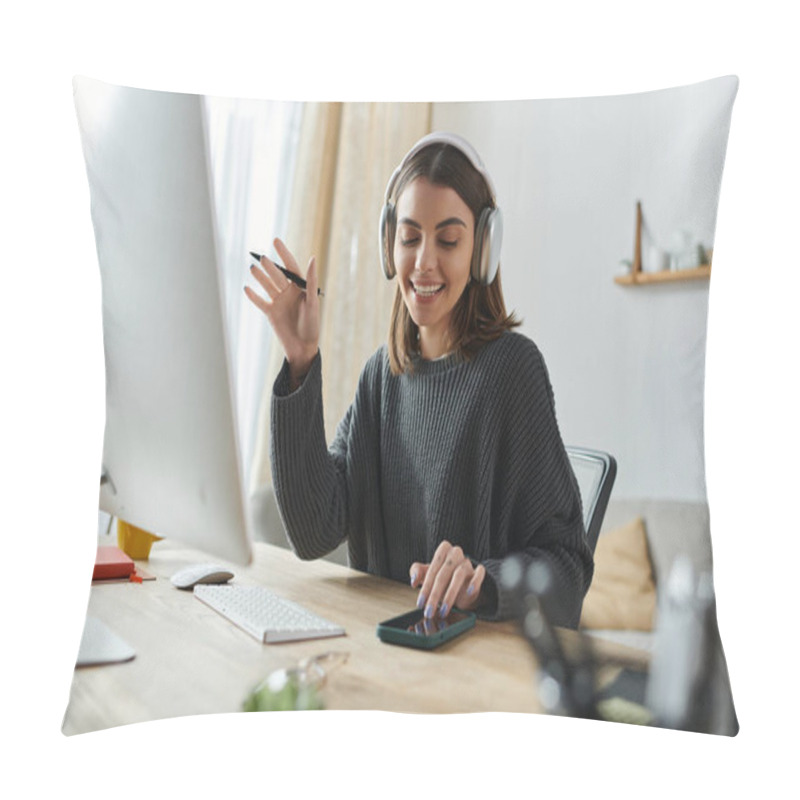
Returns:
<point x="427" y="290"/>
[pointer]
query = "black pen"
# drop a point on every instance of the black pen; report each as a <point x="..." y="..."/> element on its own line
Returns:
<point x="295" y="279"/>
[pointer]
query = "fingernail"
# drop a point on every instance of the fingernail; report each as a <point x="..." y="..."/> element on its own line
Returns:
<point x="470" y="590"/>
<point x="420" y="600"/>
<point x="428" y="611"/>
<point x="413" y="578"/>
<point x="443" y="610"/>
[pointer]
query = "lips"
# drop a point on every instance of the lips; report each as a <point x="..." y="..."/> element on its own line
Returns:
<point x="427" y="289"/>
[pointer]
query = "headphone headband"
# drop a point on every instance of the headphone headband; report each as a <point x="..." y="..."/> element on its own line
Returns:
<point x="454" y="140"/>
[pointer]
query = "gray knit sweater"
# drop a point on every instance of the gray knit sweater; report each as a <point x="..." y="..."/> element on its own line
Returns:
<point x="467" y="451"/>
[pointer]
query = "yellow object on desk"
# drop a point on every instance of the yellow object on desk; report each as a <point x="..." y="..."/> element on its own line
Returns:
<point x="134" y="541"/>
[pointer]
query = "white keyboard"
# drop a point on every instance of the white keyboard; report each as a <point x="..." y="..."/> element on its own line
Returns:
<point x="264" y="615"/>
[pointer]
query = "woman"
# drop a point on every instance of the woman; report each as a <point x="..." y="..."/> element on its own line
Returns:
<point x="449" y="458"/>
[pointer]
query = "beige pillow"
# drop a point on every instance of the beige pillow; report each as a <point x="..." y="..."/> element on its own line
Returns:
<point x="623" y="592"/>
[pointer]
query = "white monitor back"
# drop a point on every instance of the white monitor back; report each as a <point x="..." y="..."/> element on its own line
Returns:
<point x="171" y="450"/>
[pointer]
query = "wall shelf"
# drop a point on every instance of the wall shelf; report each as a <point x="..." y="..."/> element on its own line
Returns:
<point x="637" y="276"/>
<point x="665" y="276"/>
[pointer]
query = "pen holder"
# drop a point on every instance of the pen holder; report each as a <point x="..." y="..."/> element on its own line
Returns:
<point x="134" y="541"/>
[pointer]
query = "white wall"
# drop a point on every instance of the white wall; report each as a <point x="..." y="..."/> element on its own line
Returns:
<point x="627" y="364"/>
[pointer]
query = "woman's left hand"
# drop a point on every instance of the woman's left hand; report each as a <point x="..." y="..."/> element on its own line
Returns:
<point x="449" y="580"/>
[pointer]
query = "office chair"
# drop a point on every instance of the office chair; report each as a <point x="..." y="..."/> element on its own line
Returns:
<point x="595" y="472"/>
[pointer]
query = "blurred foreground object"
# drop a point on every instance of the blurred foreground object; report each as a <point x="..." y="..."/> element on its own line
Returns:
<point x="686" y="687"/>
<point x="296" y="688"/>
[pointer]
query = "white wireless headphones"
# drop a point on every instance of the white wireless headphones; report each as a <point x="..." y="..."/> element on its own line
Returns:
<point x="488" y="228"/>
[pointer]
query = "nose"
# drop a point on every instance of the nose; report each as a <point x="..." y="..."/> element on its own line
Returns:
<point x="426" y="256"/>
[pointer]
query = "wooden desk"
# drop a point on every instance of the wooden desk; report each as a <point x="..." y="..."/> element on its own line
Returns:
<point x="189" y="660"/>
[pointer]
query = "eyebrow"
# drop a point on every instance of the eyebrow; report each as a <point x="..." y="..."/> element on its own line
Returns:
<point x="443" y="224"/>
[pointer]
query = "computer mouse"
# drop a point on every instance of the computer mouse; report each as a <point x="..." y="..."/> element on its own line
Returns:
<point x="190" y="576"/>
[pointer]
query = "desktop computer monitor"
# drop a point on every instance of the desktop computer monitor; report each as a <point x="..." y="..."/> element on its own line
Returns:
<point x="171" y="453"/>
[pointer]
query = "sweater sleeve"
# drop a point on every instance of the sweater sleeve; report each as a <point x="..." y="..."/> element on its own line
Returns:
<point x="541" y="497"/>
<point x="328" y="494"/>
<point x="308" y="479"/>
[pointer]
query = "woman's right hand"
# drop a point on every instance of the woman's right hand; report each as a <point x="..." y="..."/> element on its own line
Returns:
<point x="292" y="312"/>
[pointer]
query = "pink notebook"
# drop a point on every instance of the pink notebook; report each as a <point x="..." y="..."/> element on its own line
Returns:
<point x="111" y="562"/>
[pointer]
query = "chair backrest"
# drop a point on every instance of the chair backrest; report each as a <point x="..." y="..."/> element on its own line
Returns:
<point x="595" y="472"/>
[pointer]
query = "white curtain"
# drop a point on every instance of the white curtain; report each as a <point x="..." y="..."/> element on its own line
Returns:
<point x="252" y="147"/>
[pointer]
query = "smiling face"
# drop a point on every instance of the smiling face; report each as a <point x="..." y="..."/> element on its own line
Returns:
<point x="432" y="254"/>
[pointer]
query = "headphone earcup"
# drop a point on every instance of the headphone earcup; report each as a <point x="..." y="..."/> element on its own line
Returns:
<point x="486" y="248"/>
<point x="386" y="231"/>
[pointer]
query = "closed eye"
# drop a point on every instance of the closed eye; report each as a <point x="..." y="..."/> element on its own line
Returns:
<point x="442" y="242"/>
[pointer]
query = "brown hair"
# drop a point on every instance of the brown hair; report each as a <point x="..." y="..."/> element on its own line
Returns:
<point x="480" y="314"/>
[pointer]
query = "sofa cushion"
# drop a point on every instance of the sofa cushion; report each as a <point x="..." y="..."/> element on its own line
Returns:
<point x="623" y="591"/>
<point x="672" y="527"/>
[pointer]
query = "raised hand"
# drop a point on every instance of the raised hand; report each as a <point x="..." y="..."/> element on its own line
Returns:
<point x="292" y="312"/>
<point x="449" y="580"/>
